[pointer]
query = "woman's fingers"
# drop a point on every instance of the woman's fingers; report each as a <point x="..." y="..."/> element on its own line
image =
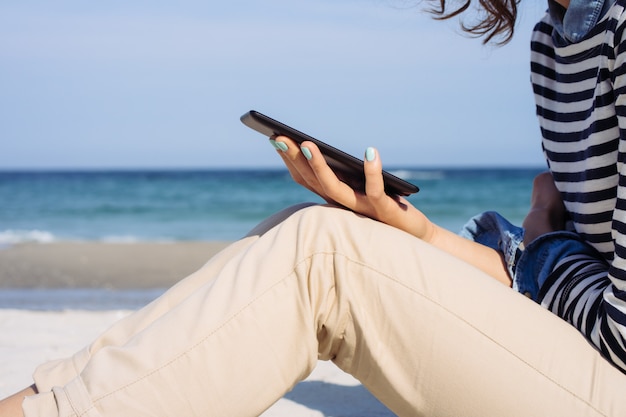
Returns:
<point x="331" y="186"/>
<point x="307" y="167"/>
<point x="298" y="166"/>
<point x="295" y="175"/>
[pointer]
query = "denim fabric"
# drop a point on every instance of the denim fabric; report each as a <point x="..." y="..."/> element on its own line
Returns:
<point x="529" y="267"/>
<point x="493" y="230"/>
<point x="579" y="18"/>
<point x="540" y="257"/>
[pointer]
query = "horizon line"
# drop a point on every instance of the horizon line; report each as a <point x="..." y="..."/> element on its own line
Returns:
<point x="251" y="168"/>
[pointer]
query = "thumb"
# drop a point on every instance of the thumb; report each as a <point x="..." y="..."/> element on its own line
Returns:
<point x="372" y="168"/>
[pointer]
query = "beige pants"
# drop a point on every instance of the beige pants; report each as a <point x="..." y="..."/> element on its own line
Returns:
<point x="424" y="332"/>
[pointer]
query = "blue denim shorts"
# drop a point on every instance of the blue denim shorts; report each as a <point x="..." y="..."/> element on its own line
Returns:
<point x="530" y="266"/>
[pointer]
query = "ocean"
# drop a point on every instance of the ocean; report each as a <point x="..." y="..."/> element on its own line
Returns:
<point x="174" y="205"/>
<point x="204" y="205"/>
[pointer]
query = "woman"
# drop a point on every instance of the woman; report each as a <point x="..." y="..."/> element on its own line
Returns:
<point x="417" y="314"/>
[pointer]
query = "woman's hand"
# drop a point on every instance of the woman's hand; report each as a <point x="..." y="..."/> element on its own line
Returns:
<point x="308" y="168"/>
<point x="547" y="212"/>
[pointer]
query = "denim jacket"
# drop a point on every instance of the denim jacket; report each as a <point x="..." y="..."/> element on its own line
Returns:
<point x="530" y="266"/>
<point x="579" y="18"/>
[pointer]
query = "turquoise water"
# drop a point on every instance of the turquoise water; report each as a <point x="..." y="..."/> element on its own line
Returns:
<point x="216" y="205"/>
<point x="129" y="206"/>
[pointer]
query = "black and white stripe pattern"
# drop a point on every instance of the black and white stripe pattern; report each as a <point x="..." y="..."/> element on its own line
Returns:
<point x="580" y="92"/>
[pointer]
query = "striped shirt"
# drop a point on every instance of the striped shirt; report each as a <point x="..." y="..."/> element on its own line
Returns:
<point x="580" y="93"/>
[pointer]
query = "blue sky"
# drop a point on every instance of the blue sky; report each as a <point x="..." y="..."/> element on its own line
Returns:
<point x="135" y="84"/>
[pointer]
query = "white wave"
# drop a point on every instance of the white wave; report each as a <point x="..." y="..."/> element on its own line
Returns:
<point x="120" y="239"/>
<point x="133" y="239"/>
<point x="408" y="174"/>
<point x="11" y="237"/>
<point x="15" y="236"/>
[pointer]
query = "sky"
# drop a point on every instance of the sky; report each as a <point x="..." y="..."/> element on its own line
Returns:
<point x="155" y="84"/>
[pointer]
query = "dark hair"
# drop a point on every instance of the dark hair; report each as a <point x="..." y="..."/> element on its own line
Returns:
<point x="496" y="18"/>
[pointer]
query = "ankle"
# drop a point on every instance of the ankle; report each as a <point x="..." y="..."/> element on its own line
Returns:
<point x="12" y="406"/>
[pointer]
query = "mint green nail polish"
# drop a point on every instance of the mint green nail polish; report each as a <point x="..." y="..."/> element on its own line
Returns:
<point x="281" y="146"/>
<point x="370" y="154"/>
<point x="306" y="152"/>
<point x="273" y="142"/>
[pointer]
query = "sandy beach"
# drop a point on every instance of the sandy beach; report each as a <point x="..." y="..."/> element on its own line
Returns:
<point x="102" y="265"/>
<point x="29" y="337"/>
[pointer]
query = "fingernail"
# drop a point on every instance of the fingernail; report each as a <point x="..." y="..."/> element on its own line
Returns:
<point x="281" y="146"/>
<point x="306" y="152"/>
<point x="370" y="154"/>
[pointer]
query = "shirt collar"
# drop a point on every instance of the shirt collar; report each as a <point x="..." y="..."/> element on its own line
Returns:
<point x="578" y="19"/>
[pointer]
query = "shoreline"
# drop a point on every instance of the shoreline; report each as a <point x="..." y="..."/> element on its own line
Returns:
<point x="89" y="264"/>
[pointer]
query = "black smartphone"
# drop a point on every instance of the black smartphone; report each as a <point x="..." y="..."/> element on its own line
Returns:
<point x="347" y="168"/>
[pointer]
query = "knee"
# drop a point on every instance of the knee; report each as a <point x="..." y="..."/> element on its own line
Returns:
<point x="277" y="218"/>
<point x="330" y="222"/>
<point x="311" y="221"/>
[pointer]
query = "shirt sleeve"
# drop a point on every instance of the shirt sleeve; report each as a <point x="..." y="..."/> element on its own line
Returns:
<point x="612" y="331"/>
<point x="586" y="290"/>
<point x="579" y="290"/>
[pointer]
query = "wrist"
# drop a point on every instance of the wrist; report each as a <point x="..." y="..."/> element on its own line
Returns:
<point x="432" y="233"/>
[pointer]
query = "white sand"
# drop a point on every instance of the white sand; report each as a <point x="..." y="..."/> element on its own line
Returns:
<point x="28" y="338"/>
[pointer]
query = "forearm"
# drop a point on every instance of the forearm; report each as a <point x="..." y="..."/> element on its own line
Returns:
<point x="547" y="212"/>
<point x="540" y="221"/>
<point x="12" y="406"/>
<point x="482" y="257"/>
